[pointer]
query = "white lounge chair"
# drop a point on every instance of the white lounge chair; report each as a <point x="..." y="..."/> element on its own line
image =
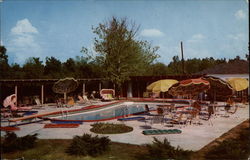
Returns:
<point x="107" y="94"/>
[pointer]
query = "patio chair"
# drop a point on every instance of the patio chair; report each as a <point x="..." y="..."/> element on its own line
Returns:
<point x="180" y="119"/>
<point x="146" y="94"/>
<point x="233" y="110"/>
<point x="193" y="117"/>
<point x="107" y="94"/>
<point x="59" y="102"/>
<point x="156" y="118"/>
<point x="5" y="113"/>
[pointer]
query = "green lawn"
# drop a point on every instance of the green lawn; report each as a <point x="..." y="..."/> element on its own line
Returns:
<point x="55" y="149"/>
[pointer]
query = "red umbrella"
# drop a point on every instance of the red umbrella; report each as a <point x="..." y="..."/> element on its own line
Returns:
<point x="189" y="87"/>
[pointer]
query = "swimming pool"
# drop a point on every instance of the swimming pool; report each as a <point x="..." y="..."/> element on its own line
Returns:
<point x="106" y="112"/>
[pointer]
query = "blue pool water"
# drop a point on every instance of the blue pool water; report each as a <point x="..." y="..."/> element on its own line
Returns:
<point x="107" y="113"/>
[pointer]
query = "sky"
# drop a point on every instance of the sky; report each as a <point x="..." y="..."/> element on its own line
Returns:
<point x="60" y="28"/>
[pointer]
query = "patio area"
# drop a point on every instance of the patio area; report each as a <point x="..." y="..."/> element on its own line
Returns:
<point x="193" y="137"/>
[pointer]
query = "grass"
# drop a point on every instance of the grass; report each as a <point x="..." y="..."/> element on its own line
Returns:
<point x="110" y="128"/>
<point x="56" y="149"/>
<point x="235" y="148"/>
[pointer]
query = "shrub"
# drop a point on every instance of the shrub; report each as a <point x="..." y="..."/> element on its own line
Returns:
<point x="110" y="128"/>
<point x="12" y="143"/>
<point x="163" y="150"/>
<point x="238" y="148"/>
<point x="88" y="145"/>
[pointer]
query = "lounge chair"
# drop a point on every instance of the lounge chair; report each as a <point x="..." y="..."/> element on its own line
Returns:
<point x="155" y="95"/>
<point x="83" y="99"/>
<point x="107" y="94"/>
<point x="38" y="104"/>
<point x="70" y="102"/>
<point x="131" y="119"/>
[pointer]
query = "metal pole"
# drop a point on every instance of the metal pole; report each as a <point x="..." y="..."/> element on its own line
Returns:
<point x="182" y="59"/>
<point x="100" y="86"/>
<point x="83" y="88"/>
<point x="42" y="94"/>
<point x="16" y="94"/>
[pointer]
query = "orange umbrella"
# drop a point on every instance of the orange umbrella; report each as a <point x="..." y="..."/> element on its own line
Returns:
<point x="189" y="87"/>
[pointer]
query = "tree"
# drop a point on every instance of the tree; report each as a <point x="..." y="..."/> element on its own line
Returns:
<point x="16" y="71"/>
<point x="157" y="69"/>
<point x="53" y="68"/>
<point x="33" y="68"/>
<point x="69" y="68"/>
<point x="118" y="51"/>
<point x="3" y="55"/>
<point x="247" y="57"/>
<point x="174" y="67"/>
<point x="4" y="66"/>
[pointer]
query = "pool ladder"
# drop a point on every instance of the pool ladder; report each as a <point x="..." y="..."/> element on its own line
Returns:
<point x="125" y="111"/>
<point x="64" y="113"/>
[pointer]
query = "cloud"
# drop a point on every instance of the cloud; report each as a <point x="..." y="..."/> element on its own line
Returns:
<point x="240" y="14"/>
<point x="23" y="27"/>
<point x="196" y="38"/>
<point x="23" y="43"/>
<point x="236" y="37"/>
<point x="152" y="33"/>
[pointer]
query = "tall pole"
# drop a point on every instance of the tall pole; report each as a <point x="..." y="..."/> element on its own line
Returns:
<point x="182" y="59"/>
<point x="42" y="94"/>
<point x="16" y="94"/>
<point x="83" y="88"/>
<point x="100" y="86"/>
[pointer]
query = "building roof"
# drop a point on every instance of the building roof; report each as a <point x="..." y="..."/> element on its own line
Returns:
<point x="232" y="67"/>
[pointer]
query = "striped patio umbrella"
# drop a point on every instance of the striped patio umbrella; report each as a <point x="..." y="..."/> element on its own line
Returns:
<point x="189" y="87"/>
<point x="219" y="89"/>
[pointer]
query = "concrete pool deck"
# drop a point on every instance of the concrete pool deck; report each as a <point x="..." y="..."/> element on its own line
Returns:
<point x="193" y="137"/>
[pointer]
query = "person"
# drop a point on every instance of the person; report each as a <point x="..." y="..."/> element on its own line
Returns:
<point x="197" y="106"/>
<point x="227" y="107"/>
<point x="160" y="111"/>
<point x="10" y="102"/>
<point x="92" y="95"/>
<point x="146" y="108"/>
<point x="229" y="104"/>
<point x="210" y="110"/>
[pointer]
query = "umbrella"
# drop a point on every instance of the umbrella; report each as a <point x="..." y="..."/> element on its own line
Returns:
<point x="64" y="86"/>
<point x="9" y="101"/>
<point x="161" y="85"/>
<point x="189" y="87"/>
<point x="238" y="84"/>
<point x="219" y="88"/>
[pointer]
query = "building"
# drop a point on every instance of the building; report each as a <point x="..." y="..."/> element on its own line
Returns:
<point x="232" y="69"/>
